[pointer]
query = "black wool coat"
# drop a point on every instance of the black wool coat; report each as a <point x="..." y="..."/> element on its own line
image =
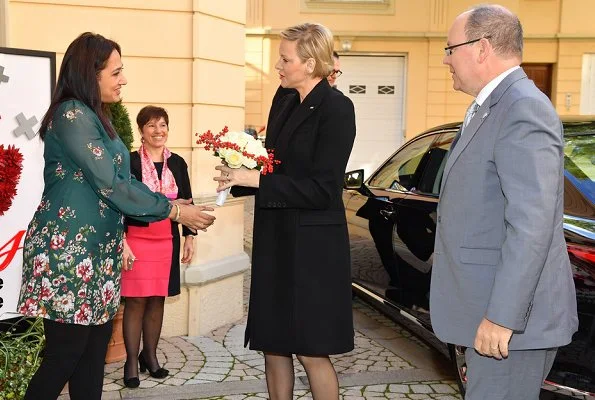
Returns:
<point x="300" y="295"/>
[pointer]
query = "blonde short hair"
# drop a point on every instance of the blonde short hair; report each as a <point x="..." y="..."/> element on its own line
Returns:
<point x="313" y="41"/>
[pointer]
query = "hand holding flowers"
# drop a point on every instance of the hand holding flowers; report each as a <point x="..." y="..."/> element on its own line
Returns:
<point x="244" y="158"/>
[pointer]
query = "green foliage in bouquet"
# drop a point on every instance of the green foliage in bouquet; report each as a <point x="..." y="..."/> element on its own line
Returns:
<point x="121" y="122"/>
<point x="20" y="357"/>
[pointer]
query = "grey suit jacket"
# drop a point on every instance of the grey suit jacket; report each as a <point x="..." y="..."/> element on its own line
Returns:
<point x="500" y="251"/>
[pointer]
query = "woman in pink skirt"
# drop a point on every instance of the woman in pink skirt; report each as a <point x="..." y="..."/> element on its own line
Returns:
<point x="155" y="246"/>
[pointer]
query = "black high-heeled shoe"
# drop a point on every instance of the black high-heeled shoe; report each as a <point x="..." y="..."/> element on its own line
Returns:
<point x="144" y="366"/>
<point x="131" y="383"/>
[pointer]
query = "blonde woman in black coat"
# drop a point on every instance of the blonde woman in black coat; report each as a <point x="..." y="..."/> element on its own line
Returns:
<point x="300" y="296"/>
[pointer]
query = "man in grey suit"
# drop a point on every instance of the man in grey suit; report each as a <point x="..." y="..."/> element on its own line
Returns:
<point x="501" y="281"/>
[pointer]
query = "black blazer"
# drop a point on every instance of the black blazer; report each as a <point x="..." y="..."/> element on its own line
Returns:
<point x="300" y="299"/>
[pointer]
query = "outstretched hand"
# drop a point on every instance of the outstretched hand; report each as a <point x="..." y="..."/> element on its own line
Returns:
<point x="236" y="177"/>
<point x="195" y="217"/>
<point x="492" y="339"/>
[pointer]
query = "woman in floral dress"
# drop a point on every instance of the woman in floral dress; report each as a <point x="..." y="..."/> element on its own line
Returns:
<point x="73" y="251"/>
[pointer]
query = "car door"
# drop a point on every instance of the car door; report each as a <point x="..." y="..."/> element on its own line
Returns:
<point x="371" y="212"/>
<point x="414" y="231"/>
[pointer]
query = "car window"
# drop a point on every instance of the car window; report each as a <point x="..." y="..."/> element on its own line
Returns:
<point x="579" y="159"/>
<point x="434" y="168"/>
<point x="401" y="172"/>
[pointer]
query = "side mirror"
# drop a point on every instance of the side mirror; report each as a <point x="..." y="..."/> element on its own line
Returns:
<point x="353" y="180"/>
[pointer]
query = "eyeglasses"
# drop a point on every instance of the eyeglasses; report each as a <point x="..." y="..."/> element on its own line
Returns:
<point x="336" y="73"/>
<point x="449" y="50"/>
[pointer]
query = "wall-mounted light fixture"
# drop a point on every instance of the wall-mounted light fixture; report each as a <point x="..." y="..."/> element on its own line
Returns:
<point x="346" y="45"/>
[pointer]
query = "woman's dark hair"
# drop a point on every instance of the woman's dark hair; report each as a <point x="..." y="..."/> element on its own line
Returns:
<point x="84" y="59"/>
<point x="148" y="113"/>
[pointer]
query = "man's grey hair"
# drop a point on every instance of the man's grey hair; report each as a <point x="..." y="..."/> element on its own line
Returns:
<point x="502" y="28"/>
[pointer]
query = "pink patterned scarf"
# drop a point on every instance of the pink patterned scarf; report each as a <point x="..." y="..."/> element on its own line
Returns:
<point x="167" y="184"/>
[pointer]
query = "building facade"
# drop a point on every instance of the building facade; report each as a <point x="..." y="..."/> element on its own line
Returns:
<point x="392" y="51"/>
<point x="173" y="57"/>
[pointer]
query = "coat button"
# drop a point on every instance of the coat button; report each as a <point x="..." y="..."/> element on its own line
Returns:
<point x="439" y="219"/>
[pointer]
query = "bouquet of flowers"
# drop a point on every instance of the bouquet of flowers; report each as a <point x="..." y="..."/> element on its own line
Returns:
<point x="238" y="149"/>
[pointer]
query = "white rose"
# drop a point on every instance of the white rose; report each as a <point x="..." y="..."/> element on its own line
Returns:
<point x="239" y="138"/>
<point x="255" y="147"/>
<point x="234" y="159"/>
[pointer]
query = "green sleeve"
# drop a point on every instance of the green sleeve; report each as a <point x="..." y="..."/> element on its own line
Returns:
<point x="84" y="141"/>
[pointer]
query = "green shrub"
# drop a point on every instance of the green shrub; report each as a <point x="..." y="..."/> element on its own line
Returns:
<point x="121" y="122"/>
<point x="19" y="357"/>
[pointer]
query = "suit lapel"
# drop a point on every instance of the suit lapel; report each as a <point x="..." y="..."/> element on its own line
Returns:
<point x="462" y="140"/>
<point x="308" y="106"/>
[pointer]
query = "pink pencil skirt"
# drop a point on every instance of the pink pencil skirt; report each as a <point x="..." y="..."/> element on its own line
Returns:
<point x="152" y="247"/>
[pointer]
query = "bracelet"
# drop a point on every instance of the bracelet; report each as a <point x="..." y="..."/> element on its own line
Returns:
<point x="177" y="212"/>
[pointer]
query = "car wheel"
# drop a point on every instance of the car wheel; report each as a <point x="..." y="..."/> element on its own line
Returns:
<point x="457" y="357"/>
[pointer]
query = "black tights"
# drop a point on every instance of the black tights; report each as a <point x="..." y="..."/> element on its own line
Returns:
<point x="142" y="315"/>
<point x="74" y="354"/>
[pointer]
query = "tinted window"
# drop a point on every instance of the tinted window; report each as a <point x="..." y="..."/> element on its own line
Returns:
<point x="579" y="157"/>
<point x="402" y="171"/>
<point x="432" y="175"/>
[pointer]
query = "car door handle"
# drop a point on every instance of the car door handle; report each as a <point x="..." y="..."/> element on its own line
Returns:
<point x="386" y="213"/>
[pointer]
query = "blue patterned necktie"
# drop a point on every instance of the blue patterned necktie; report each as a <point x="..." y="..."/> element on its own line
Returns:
<point x="469" y="114"/>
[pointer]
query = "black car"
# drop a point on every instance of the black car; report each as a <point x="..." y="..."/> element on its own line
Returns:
<point x="392" y="224"/>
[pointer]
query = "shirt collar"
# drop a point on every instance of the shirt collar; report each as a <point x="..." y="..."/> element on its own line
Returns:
<point x="489" y="88"/>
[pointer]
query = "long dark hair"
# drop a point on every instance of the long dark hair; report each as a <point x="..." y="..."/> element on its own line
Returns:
<point x="86" y="56"/>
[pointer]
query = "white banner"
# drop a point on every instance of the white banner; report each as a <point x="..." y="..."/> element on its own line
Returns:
<point x="26" y="82"/>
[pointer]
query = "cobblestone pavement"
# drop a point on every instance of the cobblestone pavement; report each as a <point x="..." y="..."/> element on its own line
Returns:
<point x="217" y="366"/>
<point x="387" y="362"/>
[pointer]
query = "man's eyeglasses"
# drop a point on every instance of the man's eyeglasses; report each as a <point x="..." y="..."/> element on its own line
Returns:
<point x="449" y="50"/>
<point x="336" y="73"/>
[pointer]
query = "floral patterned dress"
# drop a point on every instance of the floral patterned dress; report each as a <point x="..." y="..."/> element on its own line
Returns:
<point x="73" y="248"/>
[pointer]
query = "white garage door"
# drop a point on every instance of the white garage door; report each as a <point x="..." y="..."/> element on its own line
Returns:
<point x="375" y="84"/>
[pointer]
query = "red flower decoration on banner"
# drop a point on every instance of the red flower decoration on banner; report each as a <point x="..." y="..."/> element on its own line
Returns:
<point x="11" y="165"/>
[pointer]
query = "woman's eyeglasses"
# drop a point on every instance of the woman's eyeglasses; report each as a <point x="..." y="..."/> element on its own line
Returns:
<point x="336" y="73"/>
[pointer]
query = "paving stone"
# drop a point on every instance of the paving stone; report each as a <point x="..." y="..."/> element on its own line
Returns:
<point x="376" y="388"/>
<point x="226" y="359"/>
<point x="212" y="370"/>
<point x="419" y="396"/>
<point x="399" y="388"/>
<point x="147" y="384"/>
<point x="395" y="395"/>
<point x="172" y="365"/>
<point x="184" y="375"/>
<point x="382" y="364"/>
<point x="442" y="388"/>
<point x="217" y="364"/>
<point x="421" y="389"/>
<point x="174" y="382"/>
<point x="110" y="387"/>
<point x="353" y="392"/>
<point x="195" y="382"/>
<point x="190" y="368"/>
<point x="210" y="377"/>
